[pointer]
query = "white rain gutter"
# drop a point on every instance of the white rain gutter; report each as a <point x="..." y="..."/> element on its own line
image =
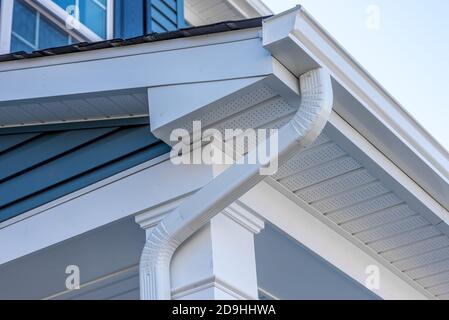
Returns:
<point x="200" y="208"/>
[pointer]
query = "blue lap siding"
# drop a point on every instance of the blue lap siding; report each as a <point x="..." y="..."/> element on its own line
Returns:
<point x="38" y="167"/>
<point x="164" y="15"/>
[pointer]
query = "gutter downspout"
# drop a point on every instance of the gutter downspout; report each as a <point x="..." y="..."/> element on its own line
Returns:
<point x="200" y="208"/>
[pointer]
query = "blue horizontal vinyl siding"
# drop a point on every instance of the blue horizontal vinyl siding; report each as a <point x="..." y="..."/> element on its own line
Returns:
<point x="36" y="168"/>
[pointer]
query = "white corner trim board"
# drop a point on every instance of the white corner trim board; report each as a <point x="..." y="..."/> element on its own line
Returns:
<point x="195" y="212"/>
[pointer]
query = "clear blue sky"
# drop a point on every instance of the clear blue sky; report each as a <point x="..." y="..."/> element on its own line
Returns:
<point x="404" y="44"/>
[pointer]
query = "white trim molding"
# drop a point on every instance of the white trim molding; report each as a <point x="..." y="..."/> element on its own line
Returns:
<point x="110" y="19"/>
<point x="150" y="218"/>
<point x="209" y="283"/>
<point x="236" y="211"/>
<point x="41" y="75"/>
<point x="204" y="266"/>
<point x="241" y="215"/>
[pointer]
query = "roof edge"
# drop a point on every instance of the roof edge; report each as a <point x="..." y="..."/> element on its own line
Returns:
<point x="295" y="33"/>
<point x="77" y="125"/>
<point x="220" y="27"/>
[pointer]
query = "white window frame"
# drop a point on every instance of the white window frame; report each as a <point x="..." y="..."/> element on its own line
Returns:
<point x="55" y="14"/>
<point x="6" y="10"/>
<point x="35" y="44"/>
<point x="110" y="19"/>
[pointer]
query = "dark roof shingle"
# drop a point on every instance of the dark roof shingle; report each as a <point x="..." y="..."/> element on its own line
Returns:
<point x="152" y="37"/>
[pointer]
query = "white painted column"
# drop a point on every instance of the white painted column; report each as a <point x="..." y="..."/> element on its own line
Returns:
<point x="218" y="262"/>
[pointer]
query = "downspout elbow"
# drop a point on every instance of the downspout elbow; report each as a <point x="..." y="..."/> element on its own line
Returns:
<point x="316" y="106"/>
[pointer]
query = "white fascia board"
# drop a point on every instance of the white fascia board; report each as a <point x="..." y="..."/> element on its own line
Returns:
<point x="228" y="55"/>
<point x="128" y="193"/>
<point x="309" y="228"/>
<point x="140" y="49"/>
<point x="363" y="102"/>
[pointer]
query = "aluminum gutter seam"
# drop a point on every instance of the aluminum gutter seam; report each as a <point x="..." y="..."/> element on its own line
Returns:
<point x="313" y="113"/>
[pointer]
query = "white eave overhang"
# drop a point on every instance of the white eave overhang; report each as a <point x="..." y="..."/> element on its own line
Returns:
<point x="200" y="12"/>
<point x="361" y="100"/>
<point x="112" y="83"/>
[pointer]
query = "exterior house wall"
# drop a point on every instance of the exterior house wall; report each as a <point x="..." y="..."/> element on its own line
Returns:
<point x="108" y="258"/>
<point x="287" y="269"/>
<point x="115" y="19"/>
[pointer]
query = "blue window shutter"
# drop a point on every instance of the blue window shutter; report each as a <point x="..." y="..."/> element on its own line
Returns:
<point x="165" y="15"/>
<point x="137" y="17"/>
